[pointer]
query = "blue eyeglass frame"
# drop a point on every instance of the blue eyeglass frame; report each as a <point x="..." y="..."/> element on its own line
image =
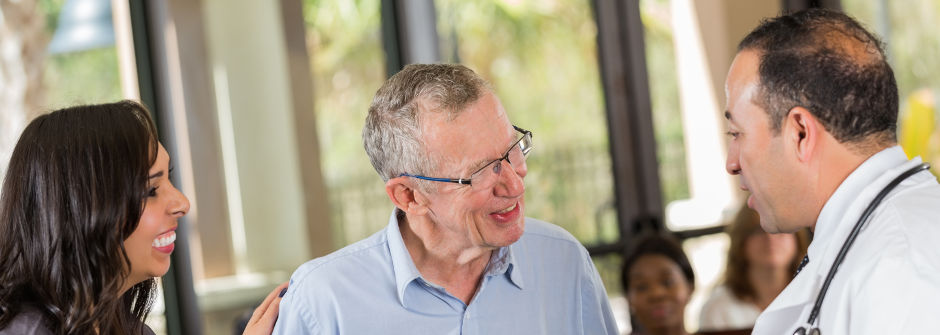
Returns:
<point x="466" y="181"/>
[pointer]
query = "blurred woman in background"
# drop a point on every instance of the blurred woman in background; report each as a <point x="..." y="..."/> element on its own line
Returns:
<point x="759" y="266"/>
<point x="658" y="280"/>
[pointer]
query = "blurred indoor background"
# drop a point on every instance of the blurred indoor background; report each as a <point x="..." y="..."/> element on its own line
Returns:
<point x="261" y="104"/>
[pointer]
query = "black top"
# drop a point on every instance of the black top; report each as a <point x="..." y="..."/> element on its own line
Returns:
<point x="30" y="321"/>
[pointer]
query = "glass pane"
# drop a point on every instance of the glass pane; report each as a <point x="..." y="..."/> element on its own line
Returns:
<point x="708" y="255"/>
<point x="687" y="100"/>
<point x="541" y="58"/>
<point x="348" y="65"/>
<point x="82" y="77"/>
<point x="251" y="157"/>
<point x="908" y="28"/>
<point x="609" y="267"/>
<point x="35" y="80"/>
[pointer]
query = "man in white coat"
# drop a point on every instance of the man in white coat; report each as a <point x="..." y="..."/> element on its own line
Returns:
<point x="812" y="115"/>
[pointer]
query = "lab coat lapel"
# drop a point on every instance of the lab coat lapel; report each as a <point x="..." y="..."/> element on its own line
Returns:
<point x="788" y="309"/>
<point x="791" y="308"/>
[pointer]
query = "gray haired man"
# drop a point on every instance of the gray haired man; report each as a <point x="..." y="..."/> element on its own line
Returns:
<point x="458" y="255"/>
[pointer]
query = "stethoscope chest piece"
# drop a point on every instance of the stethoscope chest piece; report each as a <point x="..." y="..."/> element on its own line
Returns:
<point x="802" y="331"/>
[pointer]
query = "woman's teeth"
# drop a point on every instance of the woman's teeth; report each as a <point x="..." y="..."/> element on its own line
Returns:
<point x="164" y="240"/>
<point x="507" y="210"/>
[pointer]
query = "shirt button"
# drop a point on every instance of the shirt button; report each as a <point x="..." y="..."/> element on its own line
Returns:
<point x="466" y="316"/>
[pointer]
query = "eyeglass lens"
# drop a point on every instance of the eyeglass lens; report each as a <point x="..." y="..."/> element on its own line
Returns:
<point x="487" y="176"/>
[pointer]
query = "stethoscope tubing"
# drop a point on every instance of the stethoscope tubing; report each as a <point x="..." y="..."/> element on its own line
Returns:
<point x="814" y="313"/>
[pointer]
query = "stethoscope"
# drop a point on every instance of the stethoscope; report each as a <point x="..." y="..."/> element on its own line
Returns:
<point x="814" y="313"/>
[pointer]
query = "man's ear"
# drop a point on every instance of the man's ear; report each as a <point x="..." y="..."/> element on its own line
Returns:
<point x="803" y="131"/>
<point x="403" y="194"/>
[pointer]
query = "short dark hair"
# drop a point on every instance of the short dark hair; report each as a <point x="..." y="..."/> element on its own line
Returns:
<point x="827" y="62"/>
<point x="75" y="189"/>
<point x="657" y="244"/>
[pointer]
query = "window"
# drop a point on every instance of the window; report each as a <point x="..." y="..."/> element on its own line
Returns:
<point x="913" y="46"/>
<point x="344" y="41"/>
<point x="689" y="48"/>
<point x="40" y="80"/>
<point x="542" y="61"/>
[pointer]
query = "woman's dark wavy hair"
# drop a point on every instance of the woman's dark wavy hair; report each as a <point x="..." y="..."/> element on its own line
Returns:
<point x="74" y="191"/>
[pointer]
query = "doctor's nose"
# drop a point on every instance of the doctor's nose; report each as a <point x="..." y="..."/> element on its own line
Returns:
<point x="732" y="164"/>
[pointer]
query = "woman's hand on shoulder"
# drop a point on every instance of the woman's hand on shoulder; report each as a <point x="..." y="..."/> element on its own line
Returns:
<point x="263" y="319"/>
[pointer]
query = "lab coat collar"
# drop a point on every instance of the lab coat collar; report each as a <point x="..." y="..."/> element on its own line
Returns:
<point x="842" y="210"/>
<point x="835" y="221"/>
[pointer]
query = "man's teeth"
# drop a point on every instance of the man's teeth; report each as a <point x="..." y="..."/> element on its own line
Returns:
<point x="508" y="209"/>
<point x="164" y="240"/>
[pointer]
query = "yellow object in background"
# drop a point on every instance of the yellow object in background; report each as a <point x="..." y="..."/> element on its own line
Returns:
<point x="918" y="133"/>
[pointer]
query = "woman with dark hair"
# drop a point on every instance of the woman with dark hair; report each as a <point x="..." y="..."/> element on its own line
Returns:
<point x="759" y="266"/>
<point x="87" y="220"/>
<point x="658" y="281"/>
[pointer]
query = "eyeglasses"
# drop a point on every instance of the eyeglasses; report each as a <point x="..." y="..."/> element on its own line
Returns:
<point x="487" y="176"/>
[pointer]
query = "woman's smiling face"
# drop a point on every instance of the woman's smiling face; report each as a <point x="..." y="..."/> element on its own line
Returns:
<point x="150" y="245"/>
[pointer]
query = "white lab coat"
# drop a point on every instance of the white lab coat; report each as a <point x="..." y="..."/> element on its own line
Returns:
<point x="889" y="282"/>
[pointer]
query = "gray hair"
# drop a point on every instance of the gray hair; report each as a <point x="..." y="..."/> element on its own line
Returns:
<point x="392" y="134"/>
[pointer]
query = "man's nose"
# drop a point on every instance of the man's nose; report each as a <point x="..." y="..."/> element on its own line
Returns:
<point x="511" y="182"/>
<point x="732" y="164"/>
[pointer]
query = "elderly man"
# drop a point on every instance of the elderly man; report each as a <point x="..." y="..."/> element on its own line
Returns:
<point x="812" y="112"/>
<point x="458" y="256"/>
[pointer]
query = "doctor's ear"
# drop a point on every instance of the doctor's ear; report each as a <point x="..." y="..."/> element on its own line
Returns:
<point x="404" y="194"/>
<point x="803" y="130"/>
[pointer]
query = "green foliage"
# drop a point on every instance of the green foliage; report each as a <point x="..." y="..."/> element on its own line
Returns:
<point x="908" y="28"/>
<point x="82" y="77"/>
<point x="664" y="92"/>
<point x="348" y="65"/>
<point x="79" y="77"/>
<point x="541" y="58"/>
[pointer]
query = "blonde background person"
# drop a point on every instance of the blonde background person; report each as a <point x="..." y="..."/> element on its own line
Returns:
<point x="759" y="266"/>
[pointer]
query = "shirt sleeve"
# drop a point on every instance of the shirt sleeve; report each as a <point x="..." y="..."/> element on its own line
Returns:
<point x="294" y="313"/>
<point x="596" y="315"/>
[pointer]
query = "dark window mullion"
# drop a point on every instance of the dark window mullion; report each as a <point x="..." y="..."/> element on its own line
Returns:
<point x="622" y="60"/>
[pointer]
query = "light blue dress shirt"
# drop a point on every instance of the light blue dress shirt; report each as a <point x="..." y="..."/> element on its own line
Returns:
<point x="545" y="283"/>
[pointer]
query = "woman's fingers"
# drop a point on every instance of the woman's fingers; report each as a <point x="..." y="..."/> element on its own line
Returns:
<point x="263" y="318"/>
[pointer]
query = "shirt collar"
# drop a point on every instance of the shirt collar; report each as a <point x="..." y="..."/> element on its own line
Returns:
<point x="501" y="262"/>
<point x="402" y="264"/>
<point x="851" y="197"/>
